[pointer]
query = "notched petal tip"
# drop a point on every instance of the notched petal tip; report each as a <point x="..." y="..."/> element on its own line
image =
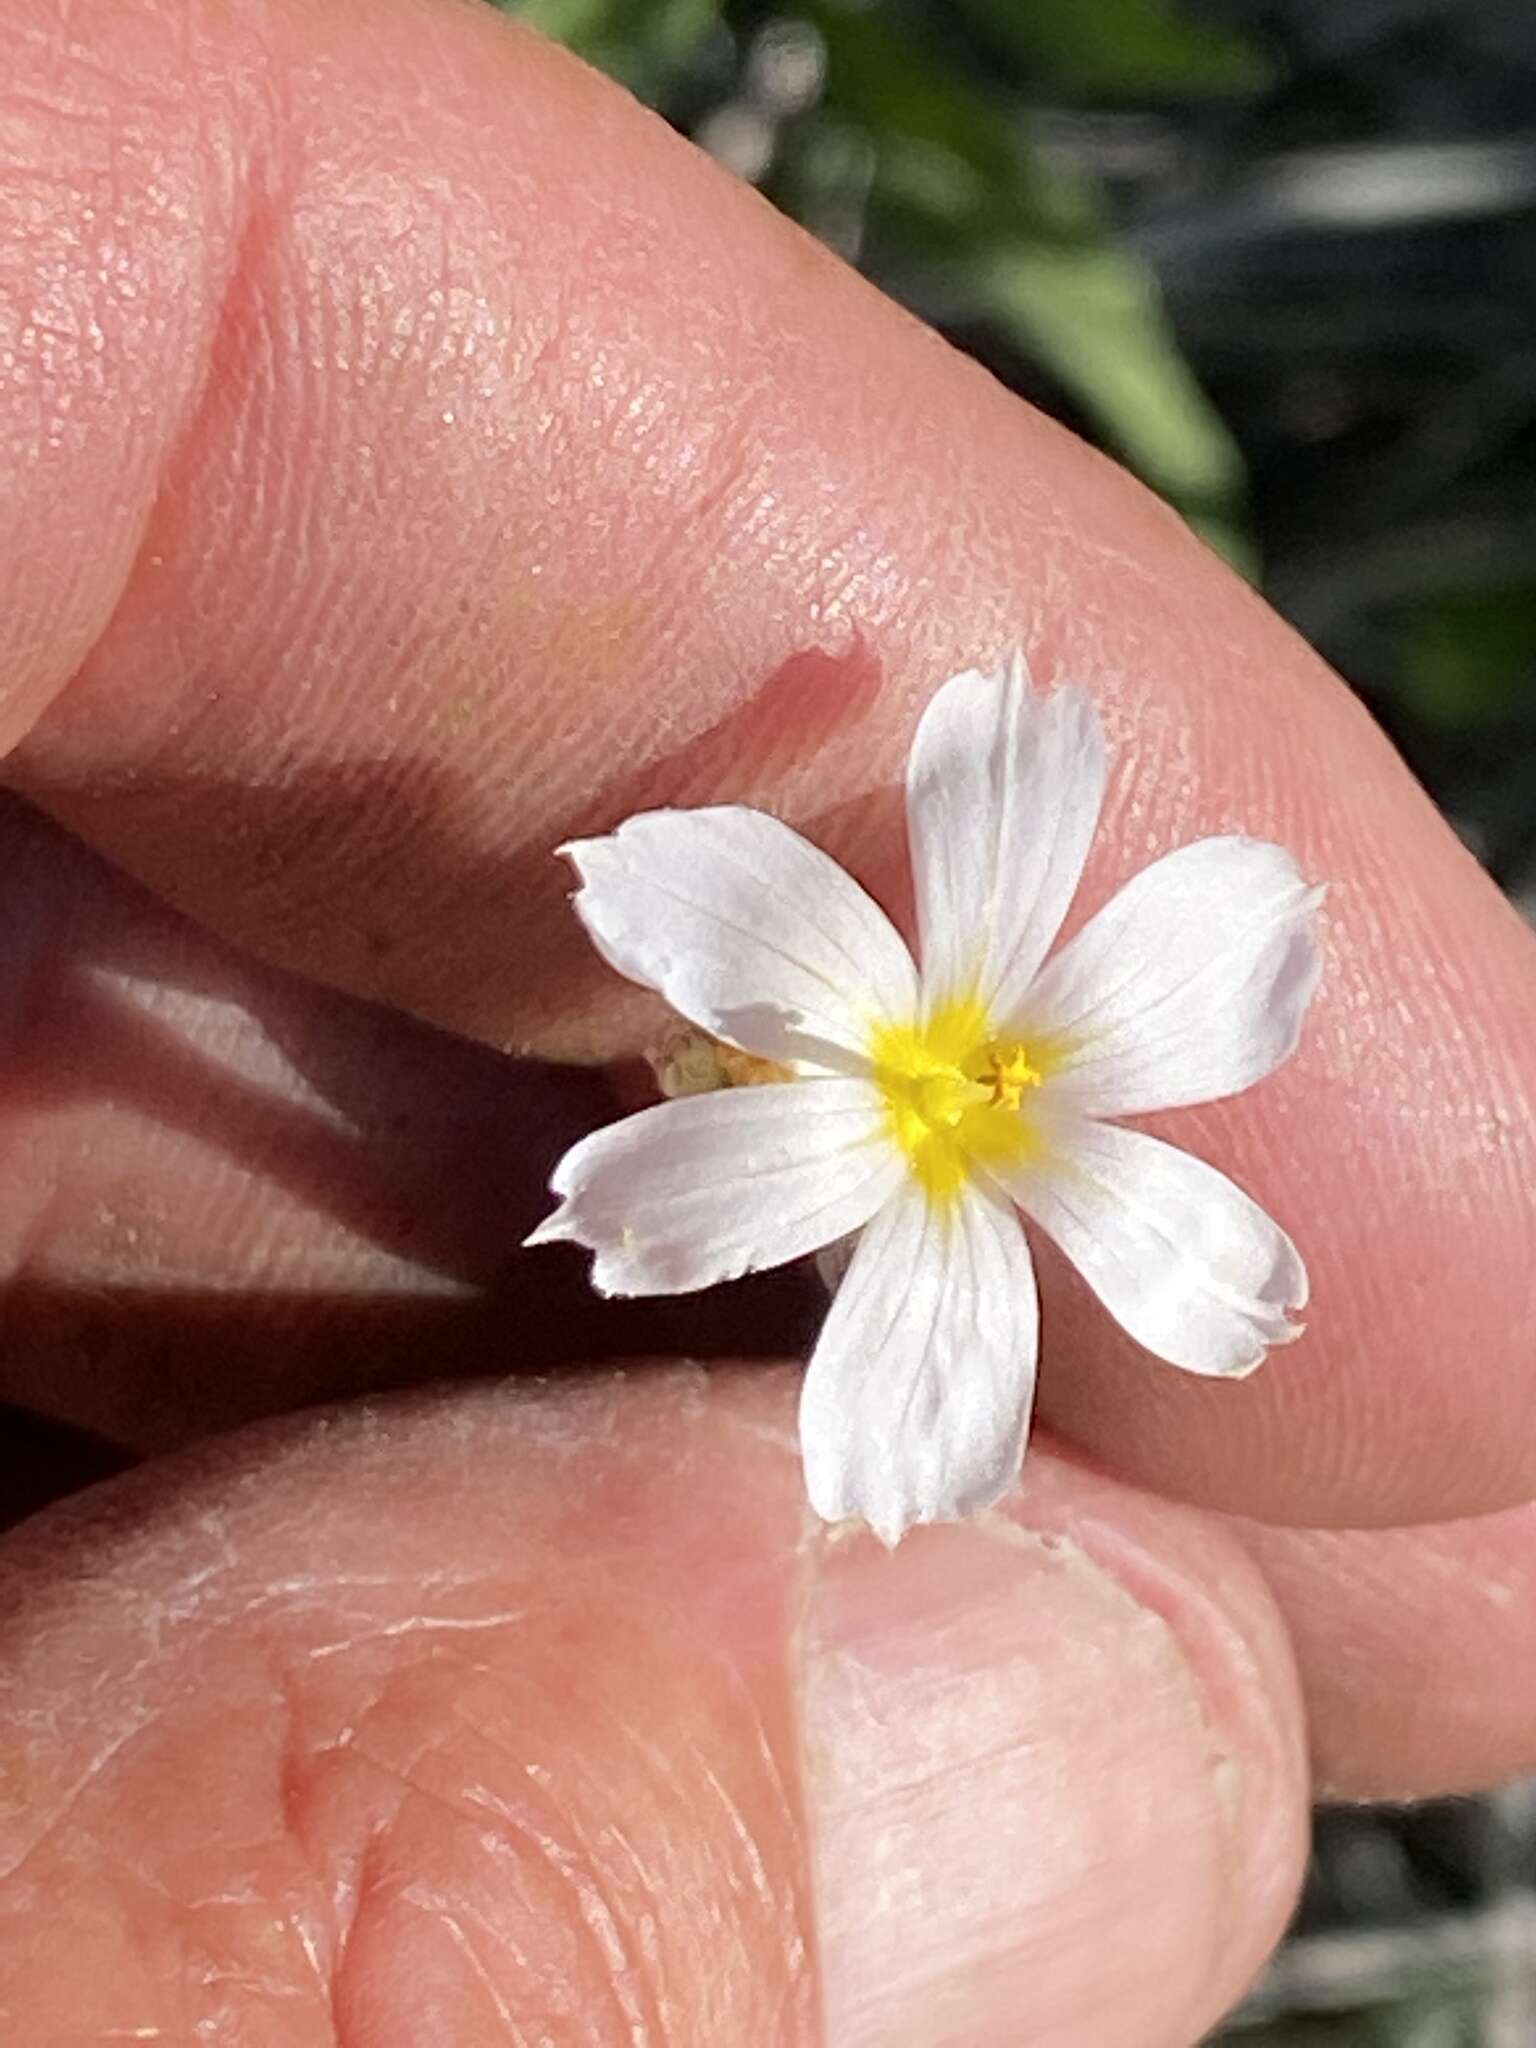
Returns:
<point x="609" y="1275"/>
<point x="846" y="1518"/>
<point x="587" y="856"/>
<point x="842" y="1522"/>
<point x="611" y="1286"/>
<point x="555" y="1229"/>
<point x="843" y="1526"/>
<point x="890" y="1521"/>
<point x="705" y="1188"/>
<point x="577" y="850"/>
<point x="1274" y="1338"/>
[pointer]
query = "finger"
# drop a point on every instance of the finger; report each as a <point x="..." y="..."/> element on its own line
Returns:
<point x="228" y="1192"/>
<point x="1417" y="1650"/>
<point x="536" y="473"/>
<point x="607" y="1735"/>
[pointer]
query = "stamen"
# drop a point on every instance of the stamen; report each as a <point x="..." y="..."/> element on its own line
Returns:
<point x="953" y="1095"/>
<point x="1011" y="1072"/>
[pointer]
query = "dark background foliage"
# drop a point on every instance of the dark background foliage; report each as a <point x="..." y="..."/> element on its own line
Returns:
<point x="1280" y="257"/>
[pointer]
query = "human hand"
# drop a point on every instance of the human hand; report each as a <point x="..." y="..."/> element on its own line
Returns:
<point x="414" y="455"/>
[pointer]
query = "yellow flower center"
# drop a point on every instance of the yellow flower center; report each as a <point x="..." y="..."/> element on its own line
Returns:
<point x="954" y="1093"/>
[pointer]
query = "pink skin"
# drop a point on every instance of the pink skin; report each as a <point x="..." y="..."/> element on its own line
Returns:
<point x="414" y="454"/>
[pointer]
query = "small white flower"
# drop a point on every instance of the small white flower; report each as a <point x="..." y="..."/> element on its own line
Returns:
<point x="927" y="1108"/>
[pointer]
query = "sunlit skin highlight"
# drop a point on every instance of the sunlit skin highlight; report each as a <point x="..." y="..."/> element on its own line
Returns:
<point x="954" y="1094"/>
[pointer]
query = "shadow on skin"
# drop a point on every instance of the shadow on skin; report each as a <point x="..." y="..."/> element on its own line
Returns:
<point x="41" y="1461"/>
<point x="153" y="1368"/>
<point x="427" y="1147"/>
<point x="419" y="886"/>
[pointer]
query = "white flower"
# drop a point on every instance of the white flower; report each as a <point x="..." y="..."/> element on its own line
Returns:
<point x="927" y="1108"/>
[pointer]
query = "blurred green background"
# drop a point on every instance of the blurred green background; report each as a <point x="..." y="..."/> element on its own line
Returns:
<point x="1279" y="256"/>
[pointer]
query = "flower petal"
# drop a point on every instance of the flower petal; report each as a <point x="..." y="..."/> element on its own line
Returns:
<point x="916" y="1400"/>
<point x="1182" y="1259"/>
<point x="1191" y="983"/>
<point x="713" y="1186"/>
<point x="746" y="929"/>
<point x="1004" y="788"/>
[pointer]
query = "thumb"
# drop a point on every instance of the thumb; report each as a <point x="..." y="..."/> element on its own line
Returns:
<point x="604" y="1742"/>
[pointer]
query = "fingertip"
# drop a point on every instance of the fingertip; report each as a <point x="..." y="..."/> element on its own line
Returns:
<point x="987" y="1709"/>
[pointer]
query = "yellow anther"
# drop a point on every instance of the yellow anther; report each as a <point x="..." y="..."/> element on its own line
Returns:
<point x="953" y="1096"/>
<point x="1011" y="1073"/>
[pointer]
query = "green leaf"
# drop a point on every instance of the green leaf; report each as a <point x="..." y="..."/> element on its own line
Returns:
<point x="1092" y="316"/>
<point x="644" y="43"/>
<point x="889" y="80"/>
<point x="1122" y="49"/>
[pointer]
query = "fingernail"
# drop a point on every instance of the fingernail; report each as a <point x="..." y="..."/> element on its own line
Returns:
<point x="1028" y="1827"/>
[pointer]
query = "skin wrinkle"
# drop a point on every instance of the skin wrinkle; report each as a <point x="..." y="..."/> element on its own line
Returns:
<point x="594" y="1911"/>
<point x="510" y="1832"/>
<point x="455" y="1931"/>
<point x="598" y="1912"/>
<point x="660" y="1766"/>
<point x="63" y="1811"/>
<point x="183" y="1613"/>
<point x="318" y="1923"/>
<point x="663" y="1770"/>
<point x="813" y="1539"/>
<point x="346" y="1902"/>
<point x="198" y="1968"/>
<point x="876" y="1824"/>
<point x="193" y="366"/>
<point x="416" y="1625"/>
